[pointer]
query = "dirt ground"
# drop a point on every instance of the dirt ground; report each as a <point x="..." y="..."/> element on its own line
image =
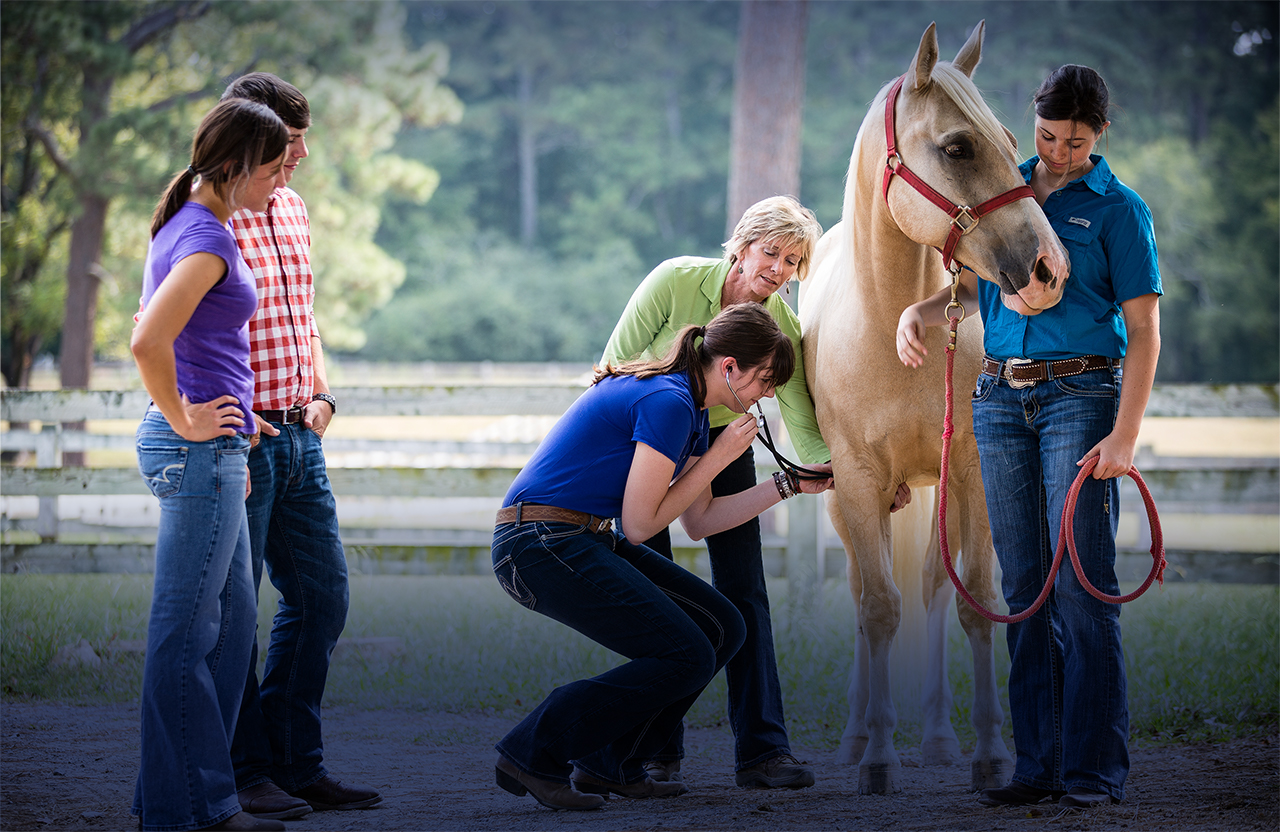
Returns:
<point x="67" y="767"/>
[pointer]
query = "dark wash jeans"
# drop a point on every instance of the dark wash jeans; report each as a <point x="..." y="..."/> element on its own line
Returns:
<point x="737" y="572"/>
<point x="1067" y="687"/>
<point x="676" y="630"/>
<point x="293" y="529"/>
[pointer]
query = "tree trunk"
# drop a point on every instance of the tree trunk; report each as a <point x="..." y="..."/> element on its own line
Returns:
<point x="768" y="100"/>
<point x="527" y="157"/>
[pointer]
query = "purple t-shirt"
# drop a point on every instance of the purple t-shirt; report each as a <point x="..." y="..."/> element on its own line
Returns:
<point x="212" y="351"/>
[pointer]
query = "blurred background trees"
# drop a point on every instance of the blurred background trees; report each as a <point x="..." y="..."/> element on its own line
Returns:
<point x="491" y="180"/>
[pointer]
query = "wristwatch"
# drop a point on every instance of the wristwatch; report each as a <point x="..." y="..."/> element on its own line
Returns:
<point x="327" y="399"/>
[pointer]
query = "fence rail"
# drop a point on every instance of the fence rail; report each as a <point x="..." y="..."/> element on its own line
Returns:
<point x="1183" y="485"/>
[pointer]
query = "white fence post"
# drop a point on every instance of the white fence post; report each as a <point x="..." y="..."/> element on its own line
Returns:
<point x="47" y="456"/>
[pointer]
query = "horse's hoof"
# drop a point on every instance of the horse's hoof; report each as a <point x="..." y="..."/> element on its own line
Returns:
<point x="880" y="778"/>
<point x="940" y="751"/>
<point x="851" y="750"/>
<point x="990" y="774"/>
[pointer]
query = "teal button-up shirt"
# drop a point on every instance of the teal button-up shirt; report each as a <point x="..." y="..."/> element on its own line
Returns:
<point x="1107" y="231"/>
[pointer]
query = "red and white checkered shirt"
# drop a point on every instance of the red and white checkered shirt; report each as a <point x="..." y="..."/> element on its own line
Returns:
<point x="277" y="246"/>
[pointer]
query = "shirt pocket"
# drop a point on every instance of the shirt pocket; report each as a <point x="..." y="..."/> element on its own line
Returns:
<point x="1077" y="238"/>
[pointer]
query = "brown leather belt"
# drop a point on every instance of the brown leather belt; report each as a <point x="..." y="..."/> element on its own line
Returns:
<point x="1020" y="372"/>
<point x="520" y="512"/>
<point x="283" y="417"/>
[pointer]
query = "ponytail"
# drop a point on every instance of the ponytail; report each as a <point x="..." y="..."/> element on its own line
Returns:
<point x="744" y="331"/>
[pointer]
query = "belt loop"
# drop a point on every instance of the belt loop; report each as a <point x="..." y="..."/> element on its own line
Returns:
<point x="519" y="511"/>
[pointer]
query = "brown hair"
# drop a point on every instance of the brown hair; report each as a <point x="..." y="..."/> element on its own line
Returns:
<point x="233" y="138"/>
<point x="1074" y="93"/>
<point x="744" y="331"/>
<point x="284" y="98"/>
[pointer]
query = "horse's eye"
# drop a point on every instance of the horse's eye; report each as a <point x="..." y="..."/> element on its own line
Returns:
<point x="957" y="151"/>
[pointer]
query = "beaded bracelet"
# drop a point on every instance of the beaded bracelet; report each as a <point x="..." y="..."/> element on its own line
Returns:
<point x="786" y="489"/>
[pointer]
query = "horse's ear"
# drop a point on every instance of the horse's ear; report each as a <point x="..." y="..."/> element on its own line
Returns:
<point x="921" y="71"/>
<point x="967" y="58"/>
<point x="1013" y="140"/>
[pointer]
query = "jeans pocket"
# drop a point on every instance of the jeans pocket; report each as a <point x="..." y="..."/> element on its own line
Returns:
<point x="984" y="387"/>
<point x="162" y="467"/>
<point x="509" y="579"/>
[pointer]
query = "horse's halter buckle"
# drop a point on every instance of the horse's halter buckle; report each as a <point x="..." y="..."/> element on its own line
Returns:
<point x="966" y="215"/>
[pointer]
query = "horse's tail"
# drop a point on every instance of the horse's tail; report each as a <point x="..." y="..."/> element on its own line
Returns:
<point x="912" y="528"/>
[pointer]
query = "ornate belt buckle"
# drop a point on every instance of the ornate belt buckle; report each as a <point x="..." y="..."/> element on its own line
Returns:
<point x="1017" y="383"/>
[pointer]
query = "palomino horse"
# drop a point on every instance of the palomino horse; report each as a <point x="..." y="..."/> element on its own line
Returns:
<point x="883" y="421"/>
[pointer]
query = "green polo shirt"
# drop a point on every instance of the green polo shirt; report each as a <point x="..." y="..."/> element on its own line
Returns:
<point x="687" y="290"/>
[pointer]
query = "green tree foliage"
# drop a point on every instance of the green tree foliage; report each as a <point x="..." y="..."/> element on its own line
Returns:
<point x="73" y="143"/>
<point x="595" y="144"/>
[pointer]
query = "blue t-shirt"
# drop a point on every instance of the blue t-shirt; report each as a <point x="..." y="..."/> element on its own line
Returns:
<point x="211" y="353"/>
<point x="584" y="462"/>
<point x="1106" y="229"/>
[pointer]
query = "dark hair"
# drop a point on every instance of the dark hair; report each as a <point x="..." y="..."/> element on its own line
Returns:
<point x="745" y="331"/>
<point x="233" y="138"/>
<point x="284" y="98"/>
<point x="1074" y="93"/>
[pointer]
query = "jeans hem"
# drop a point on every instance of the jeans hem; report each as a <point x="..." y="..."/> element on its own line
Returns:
<point x="562" y="779"/>
<point x="217" y="819"/>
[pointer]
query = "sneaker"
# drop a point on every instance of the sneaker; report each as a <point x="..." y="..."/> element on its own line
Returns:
<point x="781" y="772"/>
<point x="663" y="771"/>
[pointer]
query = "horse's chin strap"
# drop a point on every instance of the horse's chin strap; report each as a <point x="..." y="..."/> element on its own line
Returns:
<point x="963" y="218"/>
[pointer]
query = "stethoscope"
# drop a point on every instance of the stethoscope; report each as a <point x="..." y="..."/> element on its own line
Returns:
<point x="766" y="439"/>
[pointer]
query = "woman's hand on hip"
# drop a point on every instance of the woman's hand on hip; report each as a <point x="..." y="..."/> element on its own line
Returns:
<point x="211" y="419"/>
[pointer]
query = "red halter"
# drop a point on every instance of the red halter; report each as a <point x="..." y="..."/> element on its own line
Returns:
<point x="963" y="218"/>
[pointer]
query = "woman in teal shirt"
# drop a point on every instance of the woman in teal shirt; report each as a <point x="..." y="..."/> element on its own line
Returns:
<point x="1050" y="398"/>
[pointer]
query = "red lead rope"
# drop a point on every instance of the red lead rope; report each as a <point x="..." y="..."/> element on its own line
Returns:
<point x="1066" y="535"/>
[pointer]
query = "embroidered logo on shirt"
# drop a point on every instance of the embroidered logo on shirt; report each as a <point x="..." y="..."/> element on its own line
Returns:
<point x="1079" y="221"/>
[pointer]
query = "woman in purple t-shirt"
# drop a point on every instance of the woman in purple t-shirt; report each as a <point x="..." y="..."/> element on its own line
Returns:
<point x="191" y="344"/>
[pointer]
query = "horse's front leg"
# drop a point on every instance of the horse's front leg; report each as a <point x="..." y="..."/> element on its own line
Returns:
<point x="880" y="611"/>
<point x="939" y="744"/>
<point x="992" y="765"/>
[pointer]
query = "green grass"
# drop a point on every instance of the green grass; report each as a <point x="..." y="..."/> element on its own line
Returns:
<point x="1202" y="658"/>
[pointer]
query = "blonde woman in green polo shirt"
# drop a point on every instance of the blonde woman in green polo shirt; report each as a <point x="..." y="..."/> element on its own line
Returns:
<point x="772" y="244"/>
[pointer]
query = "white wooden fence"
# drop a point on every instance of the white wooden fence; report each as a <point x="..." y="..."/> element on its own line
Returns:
<point x="805" y="553"/>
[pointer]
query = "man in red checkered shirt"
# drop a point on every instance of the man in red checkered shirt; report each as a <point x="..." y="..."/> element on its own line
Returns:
<point x="293" y="523"/>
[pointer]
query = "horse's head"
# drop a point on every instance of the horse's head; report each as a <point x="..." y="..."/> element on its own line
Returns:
<point x="949" y="138"/>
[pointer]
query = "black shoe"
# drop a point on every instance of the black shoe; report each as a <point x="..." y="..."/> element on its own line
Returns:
<point x="331" y="793"/>
<point x="1017" y="794"/>
<point x="1082" y="798"/>
<point x="267" y="800"/>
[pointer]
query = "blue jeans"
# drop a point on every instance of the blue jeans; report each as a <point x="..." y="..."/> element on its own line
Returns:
<point x="293" y="529"/>
<point x="200" y="631"/>
<point x="1067" y="689"/>
<point x="751" y="676"/>
<point x="676" y="630"/>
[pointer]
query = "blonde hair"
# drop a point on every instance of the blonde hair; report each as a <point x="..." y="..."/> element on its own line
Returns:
<point x="777" y="219"/>
<point x="961" y="90"/>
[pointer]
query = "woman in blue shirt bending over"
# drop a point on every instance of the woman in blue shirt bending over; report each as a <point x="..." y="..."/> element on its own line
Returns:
<point x="634" y="446"/>
<point x="1049" y="399"/>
